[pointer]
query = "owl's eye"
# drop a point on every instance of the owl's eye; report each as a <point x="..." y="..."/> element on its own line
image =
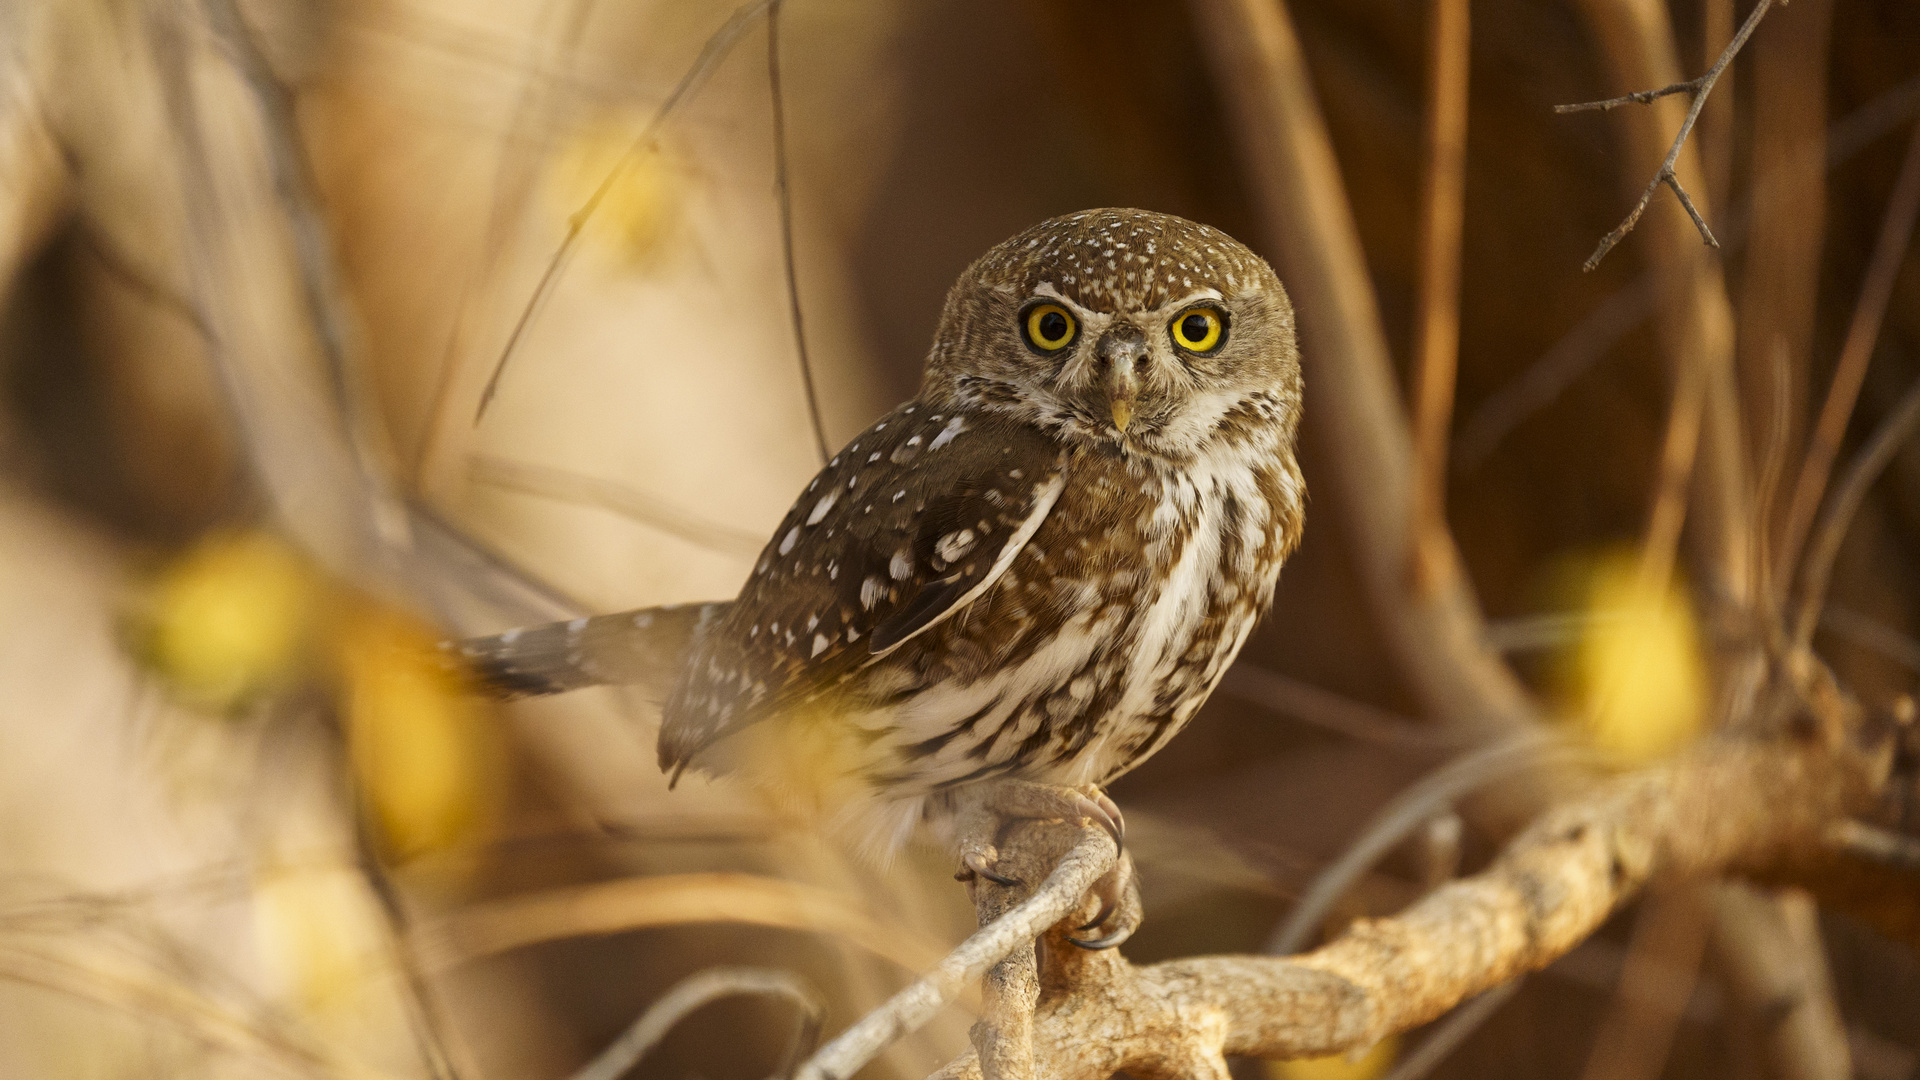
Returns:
<point x="1199" y="330"/>
<point x="1048" y="327"/>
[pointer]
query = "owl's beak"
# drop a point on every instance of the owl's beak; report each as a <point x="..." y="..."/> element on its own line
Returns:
<point x="1118" y="352"/>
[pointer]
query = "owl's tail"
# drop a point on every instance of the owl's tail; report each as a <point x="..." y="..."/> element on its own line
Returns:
<point x="633" y="647"/>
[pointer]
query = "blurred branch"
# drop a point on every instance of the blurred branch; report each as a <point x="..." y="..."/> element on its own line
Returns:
<point x="1731" y="806"/>
<point x="1437" y="636"/>
<point x="151" y="994"/>
<point x="1325" y="709"/>
<point x="617" y="907"/>
<point x="630" y="503"/>
<point x="1408" y="811"/>
<point x="1448" y="1034"/>
<point x="1770" y="976"/>
<point x="1697" y="90"/>
<point x="690" y="994"/>
<point x="1889" y="251"/>
<point x="1833" y="525"/>
<point x="1657" y="979"/>
<point x="1437" y="316"/>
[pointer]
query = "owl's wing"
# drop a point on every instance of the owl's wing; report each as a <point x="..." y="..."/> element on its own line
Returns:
<point x="906" y="527"/>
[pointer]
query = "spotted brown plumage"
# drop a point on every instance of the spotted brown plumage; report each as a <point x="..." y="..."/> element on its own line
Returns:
<point x="1039" y="567"/>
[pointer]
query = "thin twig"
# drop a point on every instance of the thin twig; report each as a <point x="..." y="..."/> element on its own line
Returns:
<point x="1697" y="91"/>
<point x="1437" y="321"/>
<point x="906" y="1011"/>
<point x="1825" y="546"/>
<point x="783" y="186"/>
<point x="1889" y="252"/>
<point x="691" y="993"/>
<point x="711" y="53"/>
<point x="1407" y="812"/>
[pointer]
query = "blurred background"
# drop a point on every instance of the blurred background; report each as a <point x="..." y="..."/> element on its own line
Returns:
<point x="262" y="259"/>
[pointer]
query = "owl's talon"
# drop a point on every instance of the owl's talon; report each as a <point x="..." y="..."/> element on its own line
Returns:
<point x="1116" y="938"/>
<point x="1101" y="810"/>
<point x="981" y="864"/>
<point x="1106" y="909"/>
<point x="1119" y="894"/>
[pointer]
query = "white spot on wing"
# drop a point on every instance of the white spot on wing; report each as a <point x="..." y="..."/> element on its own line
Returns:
<point x="902" y="565"/>
<point x="819" y="511"/>
<point x="787" y="541"/>
<point x="954" y="427"/>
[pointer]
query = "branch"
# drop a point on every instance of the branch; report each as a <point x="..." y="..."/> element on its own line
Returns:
<point x="1697" y="91"/>
<point x="1731" y="806"/>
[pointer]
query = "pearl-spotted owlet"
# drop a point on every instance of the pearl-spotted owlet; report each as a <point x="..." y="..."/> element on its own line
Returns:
<point x="1017" y="586"/>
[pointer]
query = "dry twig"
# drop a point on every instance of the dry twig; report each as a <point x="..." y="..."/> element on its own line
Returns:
<point x="1696" y="90"/>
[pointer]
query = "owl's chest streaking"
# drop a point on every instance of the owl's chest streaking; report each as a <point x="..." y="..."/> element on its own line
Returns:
<point x="959" y="596"/>
<point x="1104" y="636"/>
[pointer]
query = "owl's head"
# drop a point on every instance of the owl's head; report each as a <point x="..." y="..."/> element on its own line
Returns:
<point x="1132" y="331"/>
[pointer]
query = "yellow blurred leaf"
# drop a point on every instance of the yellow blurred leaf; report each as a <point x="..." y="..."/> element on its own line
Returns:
<point x="320" y="932"/>
<point x="422" y="748"/>
<point x="230" y="618"/>
<point x="1638" y="669"/>
<point x="1375" y="1062"/>
<point x="642" y="198"/>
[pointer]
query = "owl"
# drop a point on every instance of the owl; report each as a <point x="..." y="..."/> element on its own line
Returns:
<point x="1019" y="585"/>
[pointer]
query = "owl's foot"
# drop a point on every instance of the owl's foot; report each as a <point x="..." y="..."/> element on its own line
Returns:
<point x="977" y="825"/>
<point x="1120" y="910"/>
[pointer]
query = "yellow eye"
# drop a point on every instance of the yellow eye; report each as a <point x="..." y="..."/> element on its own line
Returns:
<point x="1049" y="327"/>
<point x="1198" y="329"/>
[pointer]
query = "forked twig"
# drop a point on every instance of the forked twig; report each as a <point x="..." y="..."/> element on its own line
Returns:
<point x="1697" y="90"/>
<point x="691" y="993"/>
